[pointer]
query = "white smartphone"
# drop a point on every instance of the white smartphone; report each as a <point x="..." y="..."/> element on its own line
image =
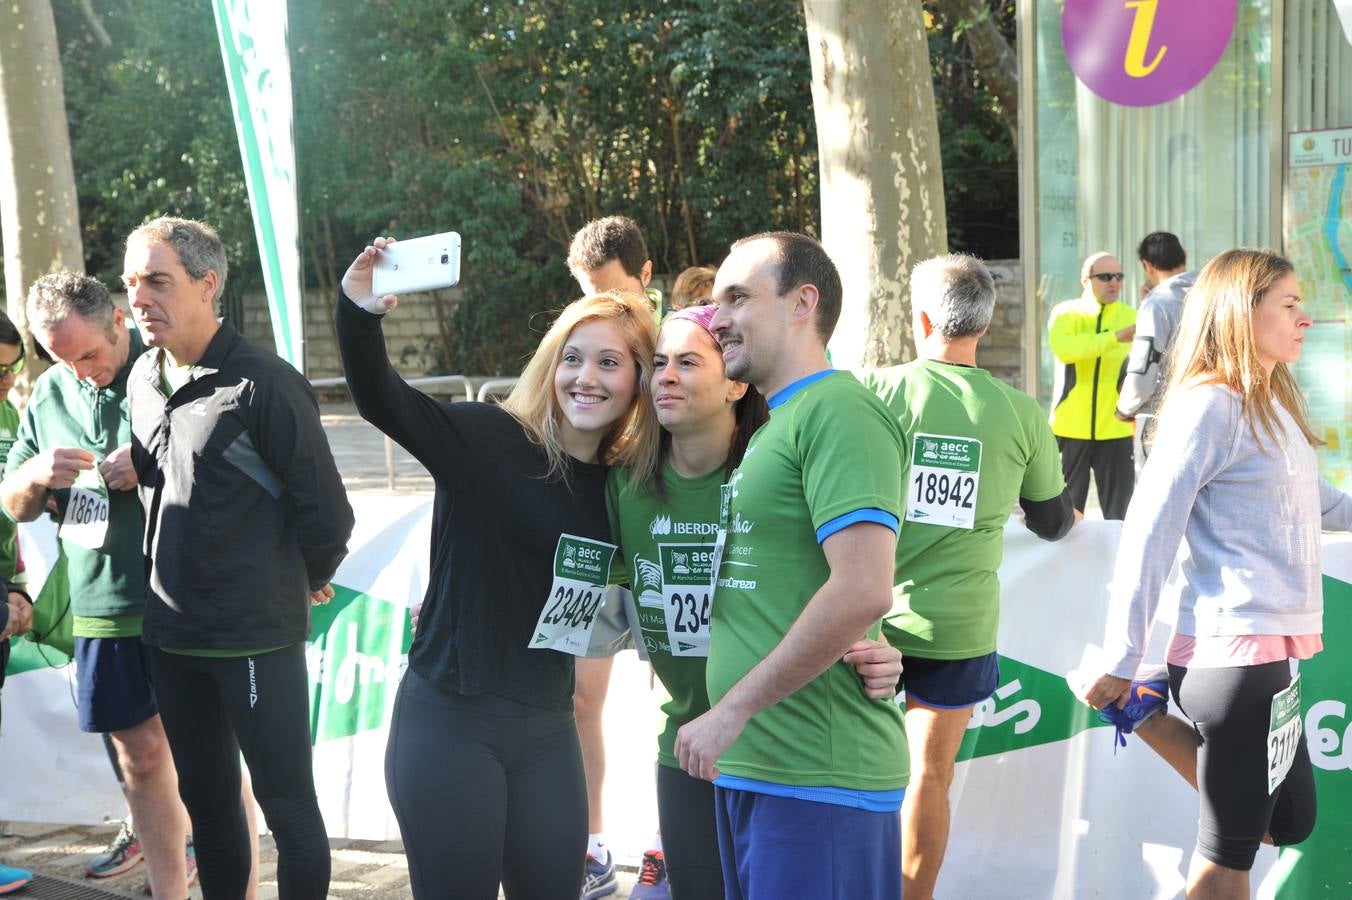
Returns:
<point x="418" y="264"/>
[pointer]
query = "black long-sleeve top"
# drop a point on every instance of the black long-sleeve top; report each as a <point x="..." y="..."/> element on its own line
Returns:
<point x="496" y="521"/>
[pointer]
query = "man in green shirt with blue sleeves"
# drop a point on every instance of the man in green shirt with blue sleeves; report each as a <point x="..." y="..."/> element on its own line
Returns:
<point x="808" y="772"/>
<point x="73" y="446"/>
<point x="976" y="447"/>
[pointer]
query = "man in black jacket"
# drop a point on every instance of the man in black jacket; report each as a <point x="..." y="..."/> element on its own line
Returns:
<point x="246" y="522"/>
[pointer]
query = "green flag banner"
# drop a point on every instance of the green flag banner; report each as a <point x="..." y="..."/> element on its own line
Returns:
<point x="258" y="71"/>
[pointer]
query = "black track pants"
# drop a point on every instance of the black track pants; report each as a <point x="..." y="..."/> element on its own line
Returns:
<point x="1230" y="709"/>
<point x="1114" y="472"/>
<point x="685" y="809"/>
<point x="486" y="790"/>
<point x="212" y="710"/>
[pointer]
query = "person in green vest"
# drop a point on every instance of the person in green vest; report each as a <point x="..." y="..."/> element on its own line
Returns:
<point x="976" y="447"/>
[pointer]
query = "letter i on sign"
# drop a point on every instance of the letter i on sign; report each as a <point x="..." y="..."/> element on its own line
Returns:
<point x="1139" y="42"/>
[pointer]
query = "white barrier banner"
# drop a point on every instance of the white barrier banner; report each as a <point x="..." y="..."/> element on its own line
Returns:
<point x="1042" y="804"/>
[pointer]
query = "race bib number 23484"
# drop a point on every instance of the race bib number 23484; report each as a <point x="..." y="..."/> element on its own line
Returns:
<point x="581" y="573"/>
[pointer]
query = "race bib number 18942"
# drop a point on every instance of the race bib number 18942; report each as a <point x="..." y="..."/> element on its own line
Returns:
<point x="581" y="573"/>
<point x="945" y="479"/>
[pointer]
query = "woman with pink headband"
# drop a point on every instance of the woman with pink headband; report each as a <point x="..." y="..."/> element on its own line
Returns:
<point x="667" y="527"/>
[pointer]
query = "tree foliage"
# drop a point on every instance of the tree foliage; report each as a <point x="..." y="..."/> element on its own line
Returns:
<point x="513" y="123"/>
<point x="981" y="183"/>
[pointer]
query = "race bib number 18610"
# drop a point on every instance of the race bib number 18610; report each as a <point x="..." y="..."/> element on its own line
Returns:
<point x="86" y="519"/>
<point x="581" y="573"/>
<point x="945" y="479"/>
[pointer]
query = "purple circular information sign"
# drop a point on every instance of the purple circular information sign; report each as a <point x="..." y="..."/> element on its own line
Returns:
<point x="1145" y="52"/>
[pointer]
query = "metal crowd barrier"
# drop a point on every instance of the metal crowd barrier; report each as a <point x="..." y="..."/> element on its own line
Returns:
<point x="491" y="387"/>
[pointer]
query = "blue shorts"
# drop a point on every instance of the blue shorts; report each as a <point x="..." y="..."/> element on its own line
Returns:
<point x="950" y="683"/>
<point x="775" y="847"/>
<point x="114" y="690"/>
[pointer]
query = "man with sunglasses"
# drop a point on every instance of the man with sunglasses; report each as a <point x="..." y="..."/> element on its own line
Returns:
<point x="1090" y="337"/>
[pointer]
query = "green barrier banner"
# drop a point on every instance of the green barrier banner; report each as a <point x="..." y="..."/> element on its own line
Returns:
<point x="258" y="72"/>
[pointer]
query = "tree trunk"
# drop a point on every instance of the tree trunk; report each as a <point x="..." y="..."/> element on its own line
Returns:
<point x="38" y="209"/>
<point x="995" y="61"/>
<point x="881" y="185"/>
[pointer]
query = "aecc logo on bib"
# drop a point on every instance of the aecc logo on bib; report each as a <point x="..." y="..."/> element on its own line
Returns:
<point x="1145" y="52"/>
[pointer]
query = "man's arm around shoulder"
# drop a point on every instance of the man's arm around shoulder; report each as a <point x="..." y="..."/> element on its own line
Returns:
<point x="856" y="595"/>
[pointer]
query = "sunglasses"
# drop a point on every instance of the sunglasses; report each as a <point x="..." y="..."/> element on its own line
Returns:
<point x="13" y="368"/>
<point x="1106" y="277"/>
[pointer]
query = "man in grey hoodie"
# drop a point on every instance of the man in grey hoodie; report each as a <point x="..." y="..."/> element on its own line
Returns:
<point x="1168" y="280"/>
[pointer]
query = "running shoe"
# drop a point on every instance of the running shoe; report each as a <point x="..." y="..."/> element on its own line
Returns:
<point x="652" y="878"/>
<point x="119" y="856"/>
<point x="11" y="879"/>
<point x="1145" y="700"/>
<point x="190" y="863"/>
<point x="600" y="880"/>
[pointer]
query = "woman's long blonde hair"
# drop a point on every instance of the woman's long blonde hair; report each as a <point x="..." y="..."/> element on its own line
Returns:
<point x="632" y="440"/>
<point x="1215" y="341"/>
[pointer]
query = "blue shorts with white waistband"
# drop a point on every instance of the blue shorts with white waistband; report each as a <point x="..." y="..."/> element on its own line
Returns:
<point x="776" y="847"/>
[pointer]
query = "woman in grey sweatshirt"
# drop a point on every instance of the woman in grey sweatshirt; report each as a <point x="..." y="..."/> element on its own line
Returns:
<point x="1232" y="477"/>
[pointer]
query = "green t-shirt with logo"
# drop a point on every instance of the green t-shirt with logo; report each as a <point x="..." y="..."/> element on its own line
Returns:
<point x="974" y="446"/>
<point x="830" y="449"/>
<point x="653" y="532"/>
<point x="9" y="530"/>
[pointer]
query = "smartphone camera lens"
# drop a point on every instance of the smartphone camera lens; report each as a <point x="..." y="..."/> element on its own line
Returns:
<point x="445" y="258"/>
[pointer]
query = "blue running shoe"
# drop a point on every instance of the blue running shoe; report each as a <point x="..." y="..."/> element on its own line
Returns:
<point x="600" y="880"/>
<point x="1145" y="699"/>
<point x="652" y="878"/>
<point x="11" y="879"/>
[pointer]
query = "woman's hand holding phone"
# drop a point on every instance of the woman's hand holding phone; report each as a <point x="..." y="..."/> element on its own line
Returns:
<point x="357" y="280"/>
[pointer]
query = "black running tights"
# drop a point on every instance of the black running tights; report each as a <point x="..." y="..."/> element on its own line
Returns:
<point x="486" y="790"/>
<point x="685" y="810"/>
<point x="214" y="708"/>
<point x="1230" y="708"/>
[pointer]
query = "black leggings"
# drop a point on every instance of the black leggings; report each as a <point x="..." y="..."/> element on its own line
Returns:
<point x="685" y="811"/>
<point x="486" y="791"/>
<point x="1230" y="708"/>
<point x="213" y="709"/>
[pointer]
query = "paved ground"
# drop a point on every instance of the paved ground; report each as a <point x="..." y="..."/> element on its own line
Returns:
<point x="371" y="870"/>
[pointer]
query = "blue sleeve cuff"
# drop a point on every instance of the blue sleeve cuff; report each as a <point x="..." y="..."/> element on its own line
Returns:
<point x="871" y="514"/>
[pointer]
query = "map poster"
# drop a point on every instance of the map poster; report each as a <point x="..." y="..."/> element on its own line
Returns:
<point x="1318" y="241"/>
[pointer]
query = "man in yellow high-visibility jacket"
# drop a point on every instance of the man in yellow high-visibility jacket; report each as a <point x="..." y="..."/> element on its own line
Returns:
<point x="1091" y="338"/>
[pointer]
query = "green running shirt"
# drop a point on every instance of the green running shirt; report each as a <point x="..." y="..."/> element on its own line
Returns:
<point x="946" y="601"/>
<point x="829" y="449"/>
